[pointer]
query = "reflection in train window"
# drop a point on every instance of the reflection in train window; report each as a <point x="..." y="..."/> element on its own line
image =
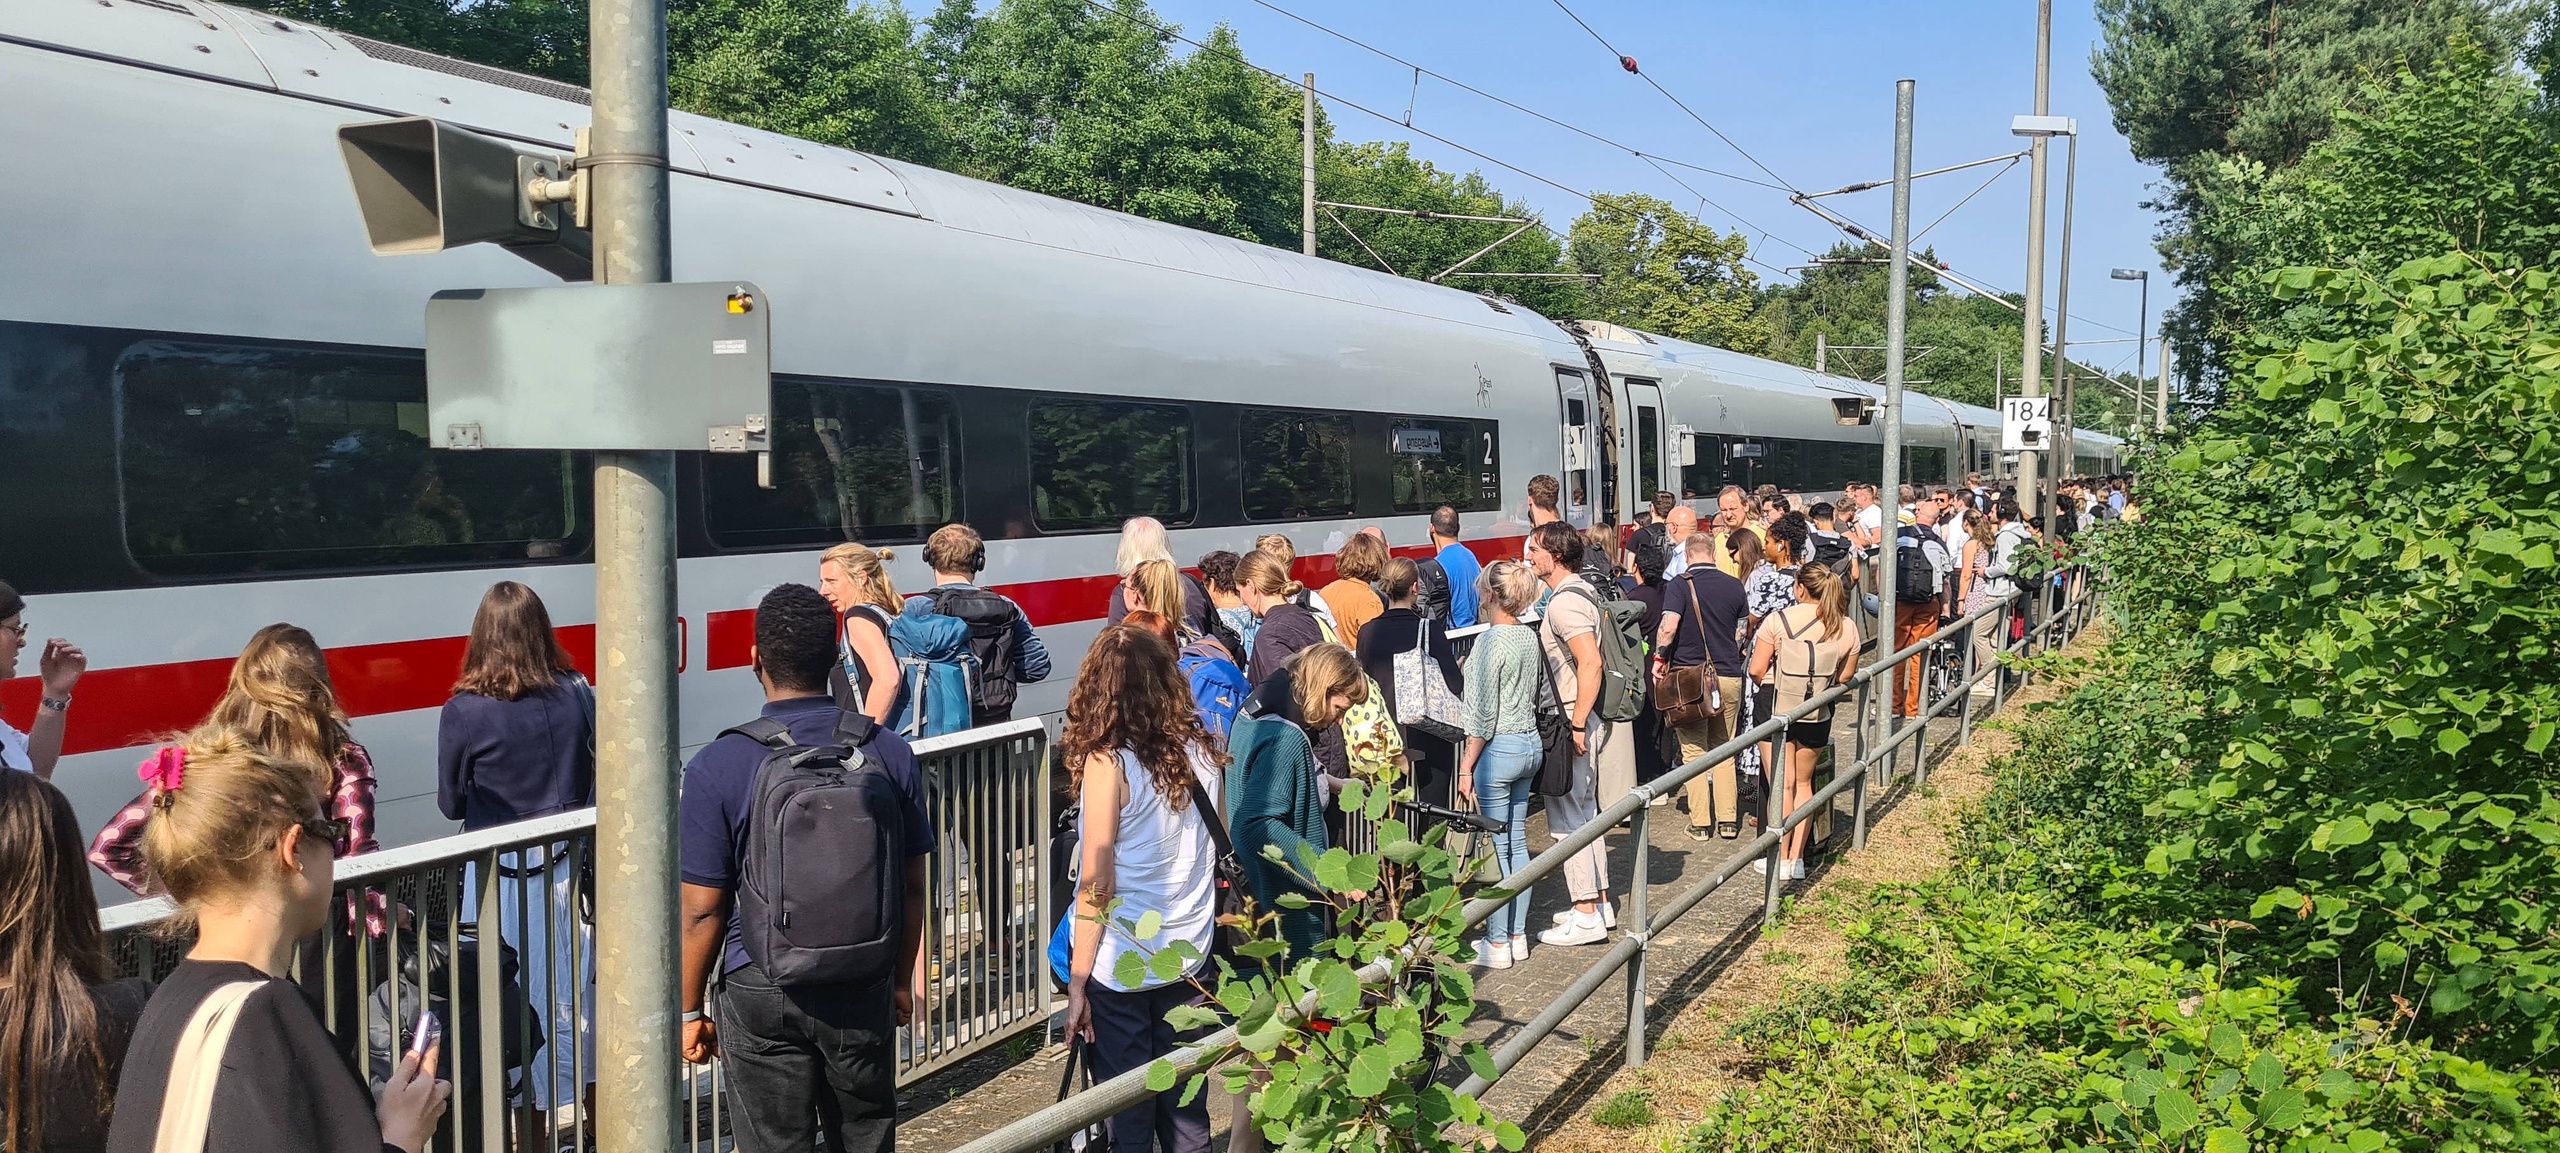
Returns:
<point x="1296" y="464"/>
<point x="850" y="462"/>
<point x="1453" y="462"/>
<point x="241" y="458"/>
<point x="1097" y="463"/>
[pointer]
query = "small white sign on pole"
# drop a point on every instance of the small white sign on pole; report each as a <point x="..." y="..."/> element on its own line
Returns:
<point x="2026" y="422"/>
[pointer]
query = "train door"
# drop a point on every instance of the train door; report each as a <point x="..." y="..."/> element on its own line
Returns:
<point x="1578" y="411"/>
<point x="1649" y="434"/>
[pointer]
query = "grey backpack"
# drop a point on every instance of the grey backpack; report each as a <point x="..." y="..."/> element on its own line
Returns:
<point x="823" y="897"/>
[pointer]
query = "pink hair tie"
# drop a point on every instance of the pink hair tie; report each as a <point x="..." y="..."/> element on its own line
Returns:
<point x="164" y="773"/>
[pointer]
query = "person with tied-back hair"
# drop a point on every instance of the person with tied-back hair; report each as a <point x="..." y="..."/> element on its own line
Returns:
<point x="517" y="741"/>
<point x="1230" y="619"/>
<point x="40" y="746"/>
<point x="237" y="840"/>
<point x="1402" y="629"/>
<point x="1147" y="774"/>
<point x="1262" y="582"/>
<point x="855" y="579"/>
<point x="63" y="1022"/>
<point x="1280" y="549"/>
<point x="1800" y="653"/>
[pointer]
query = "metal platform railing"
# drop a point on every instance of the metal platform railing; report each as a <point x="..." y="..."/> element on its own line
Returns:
<point x="985" y="980"/>
<point x="2057" y="613"/>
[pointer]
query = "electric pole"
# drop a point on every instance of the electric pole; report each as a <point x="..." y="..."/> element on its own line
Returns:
<point x="1307" y="171"/>
<point x="637" y="1064"/>
<point x="1889" y="494"/>
<point x="2064" y="397"/>
<point x="2031" y="367"/>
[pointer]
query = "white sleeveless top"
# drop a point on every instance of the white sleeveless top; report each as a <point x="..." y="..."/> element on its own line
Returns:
<point x="13" y="750"/>
<point x="1163" y="866"/>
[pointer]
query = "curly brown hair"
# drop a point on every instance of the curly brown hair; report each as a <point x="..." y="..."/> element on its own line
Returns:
<point x="1130" y="694"/>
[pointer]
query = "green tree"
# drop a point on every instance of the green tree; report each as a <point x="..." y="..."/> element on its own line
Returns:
<point x="1660" y="270"/>
<point x="2198" y="85"/>
<point x="814" y="69"/>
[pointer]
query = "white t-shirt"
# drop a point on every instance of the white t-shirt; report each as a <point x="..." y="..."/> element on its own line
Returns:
<point x="1871" y="518"/>
<point x="13" y="750"/>
<point x="1162" y="863"/>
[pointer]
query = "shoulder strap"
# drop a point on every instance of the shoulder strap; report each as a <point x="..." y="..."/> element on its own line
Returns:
<point x="1209" y="814"/>
<point x="768" y="732"/>
<point x="853" y="730"/>
<point x="195" y="1070"/>
<point x="1699" y="614"/>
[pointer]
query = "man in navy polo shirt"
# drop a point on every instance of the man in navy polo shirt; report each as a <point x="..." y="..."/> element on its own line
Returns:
<point x="809" y="1056"/>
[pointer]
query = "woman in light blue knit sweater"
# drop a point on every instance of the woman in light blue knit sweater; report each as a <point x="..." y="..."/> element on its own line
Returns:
<point x="1503" y="752"/>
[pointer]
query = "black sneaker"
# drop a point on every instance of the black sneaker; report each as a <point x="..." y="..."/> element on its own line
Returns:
<point x="1702" y="833"/>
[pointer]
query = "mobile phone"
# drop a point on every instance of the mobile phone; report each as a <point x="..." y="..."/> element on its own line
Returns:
<point x="428" y="1034"/>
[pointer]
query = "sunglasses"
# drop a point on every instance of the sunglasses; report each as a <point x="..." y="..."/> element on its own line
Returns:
<point x="328" y="832"/>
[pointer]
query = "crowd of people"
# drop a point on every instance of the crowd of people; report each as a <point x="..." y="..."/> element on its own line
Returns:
<point x="1218" y="715"/>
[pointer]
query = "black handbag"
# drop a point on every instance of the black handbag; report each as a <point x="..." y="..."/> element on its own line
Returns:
<point x="1094" y="1138"/>
<point x="1555" y="737"/>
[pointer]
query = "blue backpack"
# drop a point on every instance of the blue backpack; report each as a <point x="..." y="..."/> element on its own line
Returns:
<point x="937" y="674"/>
<point x="1217" y="686"/>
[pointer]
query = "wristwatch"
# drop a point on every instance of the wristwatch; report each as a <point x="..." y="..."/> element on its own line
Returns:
<point x="60" y="704"/>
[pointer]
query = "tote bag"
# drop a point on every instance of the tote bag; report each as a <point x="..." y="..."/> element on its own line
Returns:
<point x="1424" y="703"/>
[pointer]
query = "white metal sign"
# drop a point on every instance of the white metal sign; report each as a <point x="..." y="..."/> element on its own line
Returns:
<point x="2025" y="422"/>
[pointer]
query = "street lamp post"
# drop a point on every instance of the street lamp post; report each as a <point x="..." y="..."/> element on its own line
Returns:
<point x="2141" y="325"/>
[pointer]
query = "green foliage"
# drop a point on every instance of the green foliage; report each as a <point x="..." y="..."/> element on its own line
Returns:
<point x="2221" y="92"/>
<point x="1332" y="1062"/>
<point x="1386" y="175"/>
<point x="1632" y="1109"/>
<point x="1660" y="270"/>
<point x="2451" y="159"/>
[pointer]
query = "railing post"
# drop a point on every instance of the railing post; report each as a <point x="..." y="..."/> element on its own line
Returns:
<point x="1639" y="924"/>
<point x="1857" y="803"/>
<point x="1965" y="683"/>
<point x="1773" y="778"/>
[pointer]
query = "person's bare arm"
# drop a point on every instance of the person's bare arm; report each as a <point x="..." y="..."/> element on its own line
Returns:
<point x="58" y="671"/>
<point x="1586" y="680"/>
<point x="703" y="921"/>
<point x="1098" y="880"/>
<point x="871" y="647"/>
<point x="911" y="940"/>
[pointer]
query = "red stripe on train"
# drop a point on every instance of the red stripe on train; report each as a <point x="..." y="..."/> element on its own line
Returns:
<point x="135" y="705"/>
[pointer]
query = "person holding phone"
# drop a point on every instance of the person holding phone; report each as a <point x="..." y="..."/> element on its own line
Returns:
<point x="229" y="1057"/>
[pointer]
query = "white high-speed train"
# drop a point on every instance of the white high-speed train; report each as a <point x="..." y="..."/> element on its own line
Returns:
<point x="212" y="394"/>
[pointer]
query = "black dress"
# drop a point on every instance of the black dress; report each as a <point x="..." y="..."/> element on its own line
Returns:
<point x="285" y="1088"/>
<point x="75" y="1120"/>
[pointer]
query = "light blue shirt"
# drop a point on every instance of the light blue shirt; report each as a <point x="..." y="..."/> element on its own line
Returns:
<point x="1463" y="569"/>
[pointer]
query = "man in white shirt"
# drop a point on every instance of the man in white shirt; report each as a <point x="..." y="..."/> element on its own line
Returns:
<point x="1950" y="519"/>
<point x="1867" y="531"/>
<point x="1677" y="526"/>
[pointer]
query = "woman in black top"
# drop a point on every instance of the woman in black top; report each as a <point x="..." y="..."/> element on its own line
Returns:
<point x="1262" y="581"/>
<point x="1435" y="759"/>
<point x="63" y="1024"/>
<point x="237" y="839"/>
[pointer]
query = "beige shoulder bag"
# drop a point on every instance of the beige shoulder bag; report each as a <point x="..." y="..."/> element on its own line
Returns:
<point x="196" y="1068"/>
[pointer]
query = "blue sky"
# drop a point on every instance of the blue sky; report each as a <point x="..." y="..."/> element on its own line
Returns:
<point x="1807" y="88"/>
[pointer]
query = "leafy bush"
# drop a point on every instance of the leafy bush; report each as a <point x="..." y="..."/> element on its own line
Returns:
<point x="1632" y="1109"/>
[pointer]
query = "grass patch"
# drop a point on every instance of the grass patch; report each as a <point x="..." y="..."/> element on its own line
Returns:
<point x="1632" y="1109"/>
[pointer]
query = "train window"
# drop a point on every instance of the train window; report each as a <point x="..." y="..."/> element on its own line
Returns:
<point x="1648" y="451"/>
<point x="242" y="458"/>
<point x="1704" y="479"/>
<point x="1924" y="465"/>
<point x="1097" y="463"/>
<point x="1296" y="464"/>
<point x="851" y="462"/>
<point x="1453" y="462"/>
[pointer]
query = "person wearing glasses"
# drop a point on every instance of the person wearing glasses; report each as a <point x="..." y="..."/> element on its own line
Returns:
<point x="35" y="749"/>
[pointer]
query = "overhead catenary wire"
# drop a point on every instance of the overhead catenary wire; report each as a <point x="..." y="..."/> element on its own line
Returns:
<point x="1630" y="64"/>
<point x="1170" y="33"/>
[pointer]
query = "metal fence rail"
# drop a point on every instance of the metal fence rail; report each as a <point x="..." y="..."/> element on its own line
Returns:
<point x="1874" y="759"/>
<point x="988" y="795"/>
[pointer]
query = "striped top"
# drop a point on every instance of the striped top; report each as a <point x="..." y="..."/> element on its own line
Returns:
<point x="1502" y="682"/>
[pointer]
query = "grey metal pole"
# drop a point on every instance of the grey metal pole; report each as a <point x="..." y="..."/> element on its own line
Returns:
<point x="2063" y="392"/>
<point x="1640" y="923"/>
<point x="2142" y="329"/>
<point x="636" y="973"/>
<point x="2031" y="366"/>
<point x="1307" y="171"/>
<point x="1896" y="310"/>
<point x="2161" y="413"/>
<point x="1822" y="352"/>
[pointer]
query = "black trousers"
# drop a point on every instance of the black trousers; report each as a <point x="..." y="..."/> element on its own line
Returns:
<point x="808" y="1059"/>
<point x="1129" y="1032"/>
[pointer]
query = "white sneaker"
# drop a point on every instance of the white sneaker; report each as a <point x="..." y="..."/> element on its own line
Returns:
<point x="1576" y="932"/>
<point x="1795" y="870"/>
<point x="1608" y="915"/>
<point x="1493" y="954"/>
<point x="1760" y="865"/>
<point x="1520" y="949"/>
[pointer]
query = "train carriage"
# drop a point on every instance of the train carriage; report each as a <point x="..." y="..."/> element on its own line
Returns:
<point x="212" y="394"/>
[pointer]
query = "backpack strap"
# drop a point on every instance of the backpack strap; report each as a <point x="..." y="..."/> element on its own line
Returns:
<point x="769" y="732"/>
<point x="853" y="730"/>
<point x="1209" y="815"/>
<point x="186" y="1106"/>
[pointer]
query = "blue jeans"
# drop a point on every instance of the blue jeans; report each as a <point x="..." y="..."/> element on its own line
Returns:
<point x="1505" y="772"/>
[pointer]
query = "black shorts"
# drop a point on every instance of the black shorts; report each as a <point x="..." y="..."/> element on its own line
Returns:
<point x="1800" y="734"/>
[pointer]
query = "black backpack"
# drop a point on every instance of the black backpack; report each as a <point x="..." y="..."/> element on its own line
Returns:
<point x="1431" y="589"/>
<point x="1914" y="579"/>
<point x="521" y="1034"/>
<point x="990" y="620"/>
<point x="1834" y="552"/>
<point x="822" y="900"/>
